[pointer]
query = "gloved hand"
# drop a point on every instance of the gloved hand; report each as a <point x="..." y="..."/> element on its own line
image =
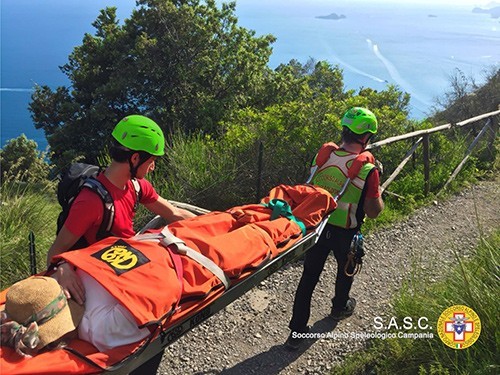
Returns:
<point x="380" y="167"/>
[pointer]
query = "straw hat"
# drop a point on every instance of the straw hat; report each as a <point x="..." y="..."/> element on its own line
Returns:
<point x="33" y="298"/>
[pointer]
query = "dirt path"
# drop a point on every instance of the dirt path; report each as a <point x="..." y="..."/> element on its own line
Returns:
<point x="247" y="337"/>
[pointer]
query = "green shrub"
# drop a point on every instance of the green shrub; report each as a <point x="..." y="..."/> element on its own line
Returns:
<point x="21" y="161"/>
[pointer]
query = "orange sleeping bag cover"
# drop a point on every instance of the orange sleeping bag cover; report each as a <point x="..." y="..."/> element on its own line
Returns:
<point x="142" y="276"/>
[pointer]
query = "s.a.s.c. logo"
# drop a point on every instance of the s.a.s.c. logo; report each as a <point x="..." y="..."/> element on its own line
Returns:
<point x="121" y="257"/>
<point x="459" y="327"/>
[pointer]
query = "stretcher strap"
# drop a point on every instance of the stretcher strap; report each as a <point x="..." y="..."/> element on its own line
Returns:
<point x="176" y="259"/>
<point x="170" y="239"/>
<point x="179" y="270"/>
<point x="147" y="237"/>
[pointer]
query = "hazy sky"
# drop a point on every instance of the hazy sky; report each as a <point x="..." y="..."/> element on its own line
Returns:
<point x="456" y="3"/>
<point x="481" y="3"/>
<point x="451" y="2"/>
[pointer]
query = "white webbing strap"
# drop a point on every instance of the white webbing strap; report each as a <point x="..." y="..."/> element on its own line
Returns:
<point x="148" y="237"/>
<point x="169" y="239"/>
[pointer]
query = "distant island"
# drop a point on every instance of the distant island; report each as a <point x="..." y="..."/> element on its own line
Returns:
<point x="333" y="16"/>
<point x="432" y="16"/>
<point x="495" y="11"/>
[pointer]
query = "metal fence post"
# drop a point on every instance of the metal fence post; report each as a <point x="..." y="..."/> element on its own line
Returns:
<point x="31" y="239"/>
<point x="259" y="172"/>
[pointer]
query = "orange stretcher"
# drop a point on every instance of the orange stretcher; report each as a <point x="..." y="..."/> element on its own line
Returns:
<point x="246" y="243"/>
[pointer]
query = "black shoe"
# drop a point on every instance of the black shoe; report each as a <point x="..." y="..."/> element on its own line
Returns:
<point x="295" y="339"/>
<point x="339" y="314"/>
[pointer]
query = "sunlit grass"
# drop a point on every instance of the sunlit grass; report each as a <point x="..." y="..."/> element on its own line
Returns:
<point x="473" y="283"/>
<point x="25" y="208"/>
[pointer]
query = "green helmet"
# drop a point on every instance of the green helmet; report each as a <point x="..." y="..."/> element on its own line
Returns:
<point x="360" y="120"/>
<point x="139" y="133"/>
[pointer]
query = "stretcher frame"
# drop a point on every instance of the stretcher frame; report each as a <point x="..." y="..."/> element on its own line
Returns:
<point x="180" y="328"/>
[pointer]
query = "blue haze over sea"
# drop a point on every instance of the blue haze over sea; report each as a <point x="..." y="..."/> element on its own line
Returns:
<point x="415" y="46"/>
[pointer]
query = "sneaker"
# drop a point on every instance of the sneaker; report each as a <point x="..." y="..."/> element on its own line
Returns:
<point x="294" y="340"/>
<point x="339" y="314"/>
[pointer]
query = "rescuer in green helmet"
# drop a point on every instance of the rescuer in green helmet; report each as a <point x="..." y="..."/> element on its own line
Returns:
<point x="333" y="168"/>
<point x="139" y="135"/>
<point x="137" y="142"/>
<point x="360" y="121"/>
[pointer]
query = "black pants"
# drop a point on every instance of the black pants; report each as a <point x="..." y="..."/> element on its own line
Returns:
<point x="333" y="239"/>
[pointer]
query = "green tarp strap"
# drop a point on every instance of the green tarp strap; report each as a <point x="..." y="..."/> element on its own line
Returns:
<point x="282" y="208"/>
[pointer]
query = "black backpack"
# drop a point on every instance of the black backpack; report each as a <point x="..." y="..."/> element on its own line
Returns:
<point x="77" y="177"/>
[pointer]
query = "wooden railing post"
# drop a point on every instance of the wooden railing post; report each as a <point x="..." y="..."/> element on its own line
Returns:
<point x="492" y="134"/>
<point x="468" y="153"/>
<point x="394" y="174"/>
<point x="427" y="182"/>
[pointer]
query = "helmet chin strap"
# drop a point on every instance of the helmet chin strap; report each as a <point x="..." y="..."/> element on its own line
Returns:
<point x="133" y="170"/>
<point x="364" y="144"/>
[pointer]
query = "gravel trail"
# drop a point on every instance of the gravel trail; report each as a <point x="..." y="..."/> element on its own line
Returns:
<point x="247" y="336"/>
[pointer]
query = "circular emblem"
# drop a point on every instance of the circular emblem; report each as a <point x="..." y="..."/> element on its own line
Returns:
<point x="459" y="327"/>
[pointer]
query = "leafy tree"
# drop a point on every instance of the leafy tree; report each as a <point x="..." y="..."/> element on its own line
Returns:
<point x="21" y="161"/>
<point x="292" y="131"/>
<point x="327" y="80"/>
<point x="295" y="81"/>
<point x="185" y="63"/>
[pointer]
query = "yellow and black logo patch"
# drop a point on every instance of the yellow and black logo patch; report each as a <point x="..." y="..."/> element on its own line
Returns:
<point x="121" y="257"/>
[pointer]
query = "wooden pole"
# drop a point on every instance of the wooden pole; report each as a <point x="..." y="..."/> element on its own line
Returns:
<point x="400" y="166"/>
<point x="492" y="134"/>
<point x="427" y="180"/>
<point x="467" y="154"/>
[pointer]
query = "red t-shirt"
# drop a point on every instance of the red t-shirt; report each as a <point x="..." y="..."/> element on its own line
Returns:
<point x="85" y="215"/>
<point x="372" y="183"/>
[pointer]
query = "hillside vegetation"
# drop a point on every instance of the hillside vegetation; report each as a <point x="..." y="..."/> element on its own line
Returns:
<point x="236" y="128"/>
<point x="206" y="81"/>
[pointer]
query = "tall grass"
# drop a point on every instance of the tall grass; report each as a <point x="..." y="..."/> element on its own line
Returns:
<point x="199" y="170"/>
<point x="26" y="207"/>
<point x="474" y="283"/>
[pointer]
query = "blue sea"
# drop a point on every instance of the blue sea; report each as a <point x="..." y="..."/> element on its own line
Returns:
<point x="416" y="46"/>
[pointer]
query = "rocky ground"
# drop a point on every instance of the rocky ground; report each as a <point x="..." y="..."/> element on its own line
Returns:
<point x="247" y="336"/>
